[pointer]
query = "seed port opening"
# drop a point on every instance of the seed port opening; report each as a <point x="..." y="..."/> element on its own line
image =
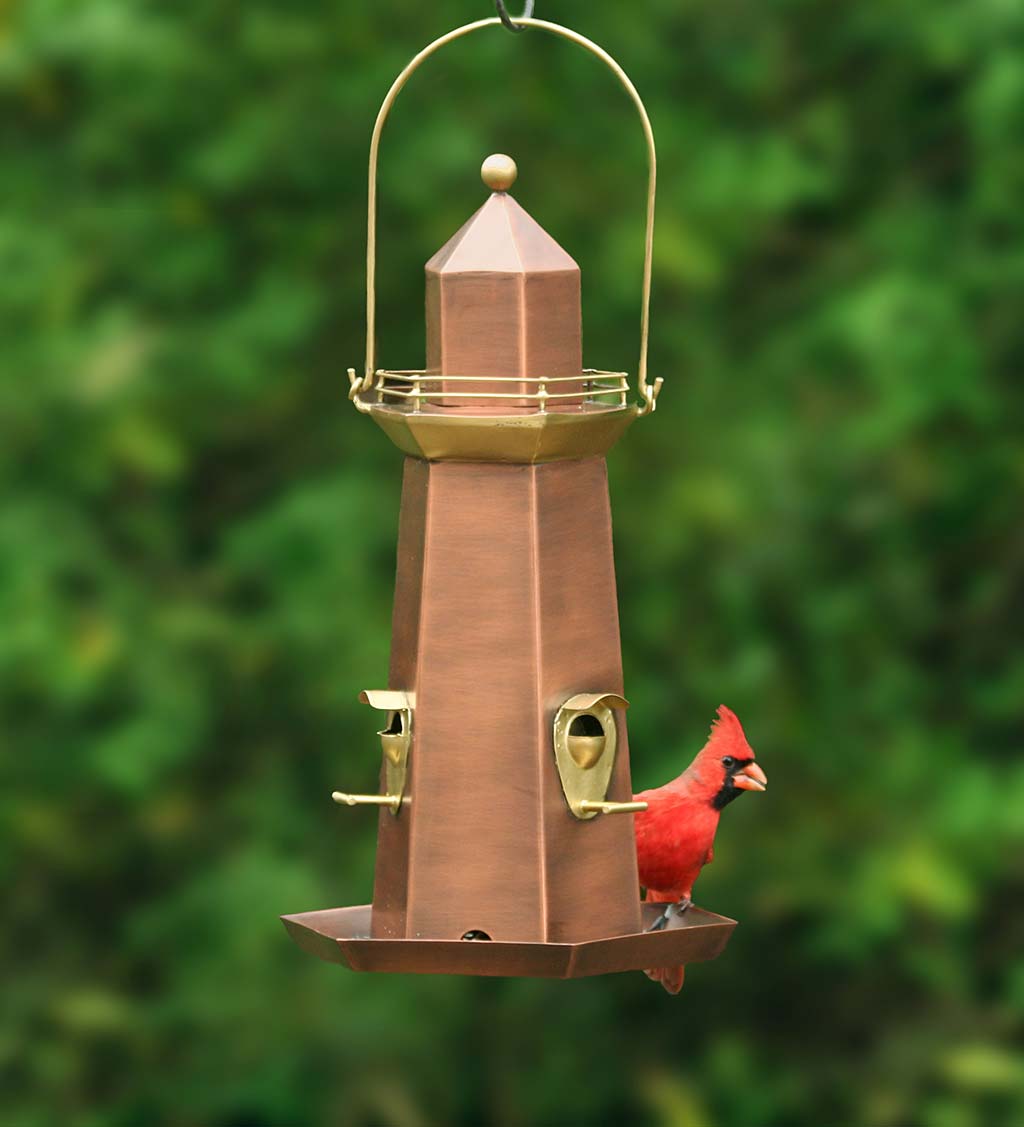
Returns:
<point x="586" y="724"/>
<point x="477" y="934"/>
<point x="395" y="725"/>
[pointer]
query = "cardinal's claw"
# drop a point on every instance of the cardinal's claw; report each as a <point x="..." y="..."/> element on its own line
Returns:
<point x="665" y="918"/>
<point x="662" y="921"/>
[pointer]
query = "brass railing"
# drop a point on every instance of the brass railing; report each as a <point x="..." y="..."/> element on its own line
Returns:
<point x="421" y="389"/>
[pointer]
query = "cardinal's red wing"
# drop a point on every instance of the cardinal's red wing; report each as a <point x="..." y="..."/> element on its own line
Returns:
<point x="673" y="840"/>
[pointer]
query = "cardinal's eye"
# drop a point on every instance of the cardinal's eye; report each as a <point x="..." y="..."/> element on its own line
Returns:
<point x="728" y="762"/>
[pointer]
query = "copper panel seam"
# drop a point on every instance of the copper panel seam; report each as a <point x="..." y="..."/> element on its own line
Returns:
<point x="541" y="715"/>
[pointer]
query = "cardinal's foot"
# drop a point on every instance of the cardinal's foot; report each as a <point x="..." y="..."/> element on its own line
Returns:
<point x="671" y="910"/>
<point x="661" y="922"/>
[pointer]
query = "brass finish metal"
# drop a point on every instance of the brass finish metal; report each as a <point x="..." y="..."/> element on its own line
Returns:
<point x="586" y="757"/>
<point x="582" y="701"/>
<point x="395" y="737"/>
<point x="499" y="172"/>
<point x="343" y="935"/>
<point x="394" y="747"/>
<point x="388" y="700"/>
<point x="393" y="802"/>
<point x="425" y="389"/>
<point x="587" y="807"/>
<point x="395" y="741"/>
<point x="648" y="392"/>
<point x="586" y="750"/>
<point x="551" y="436"/>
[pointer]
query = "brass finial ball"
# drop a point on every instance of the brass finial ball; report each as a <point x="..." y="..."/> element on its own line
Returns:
<point x="499" y="172"/>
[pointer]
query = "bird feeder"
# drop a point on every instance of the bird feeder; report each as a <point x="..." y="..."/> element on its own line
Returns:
<point x="505" y="833"/>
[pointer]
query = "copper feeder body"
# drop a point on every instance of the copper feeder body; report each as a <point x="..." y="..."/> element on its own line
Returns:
<point x="506" y="845"/>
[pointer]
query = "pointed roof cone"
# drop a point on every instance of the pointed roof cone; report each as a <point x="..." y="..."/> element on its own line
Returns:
<point x="503" y="300"/>
<point x="501" y="238"/>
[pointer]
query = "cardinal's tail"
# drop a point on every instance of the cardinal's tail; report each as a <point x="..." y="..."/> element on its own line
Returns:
<point x="669" y="977"/>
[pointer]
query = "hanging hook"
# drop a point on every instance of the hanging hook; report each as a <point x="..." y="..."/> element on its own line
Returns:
<point x="506" y="19"/>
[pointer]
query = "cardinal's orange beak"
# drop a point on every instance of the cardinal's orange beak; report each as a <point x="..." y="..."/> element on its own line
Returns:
<point x="751" y="778"/>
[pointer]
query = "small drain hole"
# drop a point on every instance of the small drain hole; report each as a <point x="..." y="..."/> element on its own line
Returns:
<point x="476" y="934"/>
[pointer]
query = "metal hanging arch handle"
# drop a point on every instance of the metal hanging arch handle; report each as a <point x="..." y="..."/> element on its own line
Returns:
<point x="648" y="392"/>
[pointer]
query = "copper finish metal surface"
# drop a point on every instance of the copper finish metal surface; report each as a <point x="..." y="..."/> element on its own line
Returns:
<point x="503" y="300"/>
<point x="505" y="607"/>
<point x="342" y="935"/>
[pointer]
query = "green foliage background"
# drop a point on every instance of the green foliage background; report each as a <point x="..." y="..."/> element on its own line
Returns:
<point x="821" y="526"/>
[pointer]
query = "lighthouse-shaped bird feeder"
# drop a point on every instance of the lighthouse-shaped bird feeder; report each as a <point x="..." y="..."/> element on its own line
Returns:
<point x="505" y="833"/>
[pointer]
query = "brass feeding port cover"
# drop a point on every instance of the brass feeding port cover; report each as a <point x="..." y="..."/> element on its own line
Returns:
<point x="395" y="742"/>
<point x="585" y="737"/>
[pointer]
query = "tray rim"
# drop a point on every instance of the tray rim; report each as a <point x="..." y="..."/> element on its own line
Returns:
<point x="340" y="935"/>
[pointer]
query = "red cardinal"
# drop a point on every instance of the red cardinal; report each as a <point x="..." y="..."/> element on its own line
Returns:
<point x="674" y="835"/>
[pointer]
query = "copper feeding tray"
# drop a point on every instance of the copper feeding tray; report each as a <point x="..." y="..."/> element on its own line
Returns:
<point x="342" y="935"/>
